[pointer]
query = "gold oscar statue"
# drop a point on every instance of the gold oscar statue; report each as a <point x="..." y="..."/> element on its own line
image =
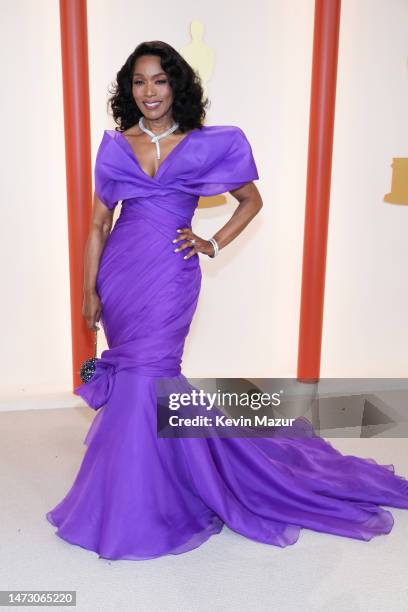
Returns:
<point x="199" y="55"/>
<point x="399" y="184"/>
<point x="201" y="58"/>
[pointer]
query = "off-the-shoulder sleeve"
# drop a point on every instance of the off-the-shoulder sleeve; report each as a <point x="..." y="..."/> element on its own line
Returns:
<point x="226" y="163"/>
<point x="212" y="161"/>
<point x="105" y="184"/>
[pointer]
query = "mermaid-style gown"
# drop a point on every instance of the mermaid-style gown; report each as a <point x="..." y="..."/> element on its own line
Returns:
<point x="140" y="496"/>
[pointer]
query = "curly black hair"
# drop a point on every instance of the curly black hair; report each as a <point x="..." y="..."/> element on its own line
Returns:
<point x="189" y="105"/>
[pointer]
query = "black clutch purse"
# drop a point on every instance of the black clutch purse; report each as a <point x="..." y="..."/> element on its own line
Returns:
<point x="87" y="368"/>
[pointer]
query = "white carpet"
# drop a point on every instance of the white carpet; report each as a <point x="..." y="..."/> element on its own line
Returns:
<point x="41" y="453"/>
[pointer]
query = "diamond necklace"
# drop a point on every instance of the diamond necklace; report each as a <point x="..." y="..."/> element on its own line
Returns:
<point x="156" y="137"/>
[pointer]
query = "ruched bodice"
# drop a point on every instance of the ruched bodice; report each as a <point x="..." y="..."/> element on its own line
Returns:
<point x="159" y="213"/>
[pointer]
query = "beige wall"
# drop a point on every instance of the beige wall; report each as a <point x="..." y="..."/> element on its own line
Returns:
<point x="248" y="316"/>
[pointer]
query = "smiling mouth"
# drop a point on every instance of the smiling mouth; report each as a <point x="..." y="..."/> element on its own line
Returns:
<point x="152" y="104"/>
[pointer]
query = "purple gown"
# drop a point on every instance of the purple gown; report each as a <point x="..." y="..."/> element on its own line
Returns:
<point x="139" y="496"/>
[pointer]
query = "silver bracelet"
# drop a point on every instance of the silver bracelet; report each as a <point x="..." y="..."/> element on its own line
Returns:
<point x="215" y="246"/>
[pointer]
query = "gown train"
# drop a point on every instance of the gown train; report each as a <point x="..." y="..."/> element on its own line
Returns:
<point x="140" y="496"/>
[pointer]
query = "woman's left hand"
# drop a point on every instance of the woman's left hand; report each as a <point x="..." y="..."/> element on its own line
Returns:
<point x="198" y="246"/>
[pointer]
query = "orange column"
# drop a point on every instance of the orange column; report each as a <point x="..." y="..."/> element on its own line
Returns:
<point x="74" y="50"/>
<point x="321" y="127"/>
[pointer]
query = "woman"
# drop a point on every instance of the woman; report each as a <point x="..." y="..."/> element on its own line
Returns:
<point x="137" y="495"/>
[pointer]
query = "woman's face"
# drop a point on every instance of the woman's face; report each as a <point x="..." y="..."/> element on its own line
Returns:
<point x="151" y="88"/>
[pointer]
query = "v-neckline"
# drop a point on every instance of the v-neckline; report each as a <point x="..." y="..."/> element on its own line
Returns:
<point x="155" y="176"/>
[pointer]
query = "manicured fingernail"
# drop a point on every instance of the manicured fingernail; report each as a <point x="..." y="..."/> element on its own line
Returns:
<point x="175" y="240"/>
<point x="175" y="250"/>
<point x="185" y="257"/>
<point x="179" y="230"/>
